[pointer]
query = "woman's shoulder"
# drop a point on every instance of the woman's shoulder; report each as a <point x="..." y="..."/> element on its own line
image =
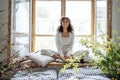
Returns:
<point x="58" y="33"/>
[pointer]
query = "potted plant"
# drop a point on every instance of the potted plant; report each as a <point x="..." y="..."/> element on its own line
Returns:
<point x="107" y="53"/>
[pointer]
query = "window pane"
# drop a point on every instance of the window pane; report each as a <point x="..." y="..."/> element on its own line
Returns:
<point x="20" y="45"/>
<point x="47" y="16"/>
<point x="21" y="14"/>
<point x="45" y="43"/>
<point x="80" y="15"/>
<point x="101" y="17"/>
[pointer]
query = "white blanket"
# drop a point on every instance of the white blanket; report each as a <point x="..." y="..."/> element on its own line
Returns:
<point x="45" y="75"/>
<point x="87" y="73"/>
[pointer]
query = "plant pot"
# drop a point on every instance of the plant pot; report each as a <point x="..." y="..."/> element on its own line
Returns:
<point x="113" y="76"/>
<point x="0" y="74"/>
<point x="81" y="60"/>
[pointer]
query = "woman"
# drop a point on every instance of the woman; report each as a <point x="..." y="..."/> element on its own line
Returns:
<point x="64" y="38"/>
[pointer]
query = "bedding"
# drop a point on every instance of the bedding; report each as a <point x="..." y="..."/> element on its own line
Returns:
<point x="86" y="73"/>
<point x="44" y="75"/>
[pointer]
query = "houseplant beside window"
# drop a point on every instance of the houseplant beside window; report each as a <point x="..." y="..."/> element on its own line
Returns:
<point x="107" y="53"/>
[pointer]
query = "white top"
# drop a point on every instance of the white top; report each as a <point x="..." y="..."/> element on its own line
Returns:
<point x="64" y="44"/>
<point x="65" y="41"/>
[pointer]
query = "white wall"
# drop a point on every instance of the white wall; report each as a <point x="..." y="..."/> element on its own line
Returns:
<point x="3" y="27"/>
<point x="115" y="15"/>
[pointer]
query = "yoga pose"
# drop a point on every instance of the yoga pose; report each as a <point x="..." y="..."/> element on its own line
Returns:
<point x="64" y="39"/>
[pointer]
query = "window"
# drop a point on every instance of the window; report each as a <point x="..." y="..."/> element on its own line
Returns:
<point x="101" y="16"/>
<point x="21" y="27"/>
<point x="79" y="12"/>
<point x="45" y="15"/>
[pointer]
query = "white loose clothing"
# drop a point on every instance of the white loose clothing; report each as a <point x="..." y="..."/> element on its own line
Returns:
<point x="64" y="44"/>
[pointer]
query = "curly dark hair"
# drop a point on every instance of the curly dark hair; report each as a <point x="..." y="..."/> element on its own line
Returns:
<point x="70" y="27"/>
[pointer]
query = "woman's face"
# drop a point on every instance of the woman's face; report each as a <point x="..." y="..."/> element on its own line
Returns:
<point x="65" y="23"/>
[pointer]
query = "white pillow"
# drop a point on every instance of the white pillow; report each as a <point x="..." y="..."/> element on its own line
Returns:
<point x="48" y="52"/>
<point x="81" y="52"/>
<point x="42" y="60"/>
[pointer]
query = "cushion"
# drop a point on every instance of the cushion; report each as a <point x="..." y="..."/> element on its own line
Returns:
<point x="42" y="60"/>
<point x="48" y="52"/>
<point x="81" y="52"/>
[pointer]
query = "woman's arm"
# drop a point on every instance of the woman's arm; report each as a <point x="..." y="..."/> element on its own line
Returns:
<point x="58" y="44"/>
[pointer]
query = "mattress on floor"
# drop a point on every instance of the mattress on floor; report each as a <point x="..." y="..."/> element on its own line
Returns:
<point x="86" y="73"/>
<point x="44" y="75"/>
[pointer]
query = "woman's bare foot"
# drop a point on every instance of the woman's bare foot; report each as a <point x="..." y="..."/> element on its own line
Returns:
<point x="66" y="57"/>
<point x="56" y="56"/>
